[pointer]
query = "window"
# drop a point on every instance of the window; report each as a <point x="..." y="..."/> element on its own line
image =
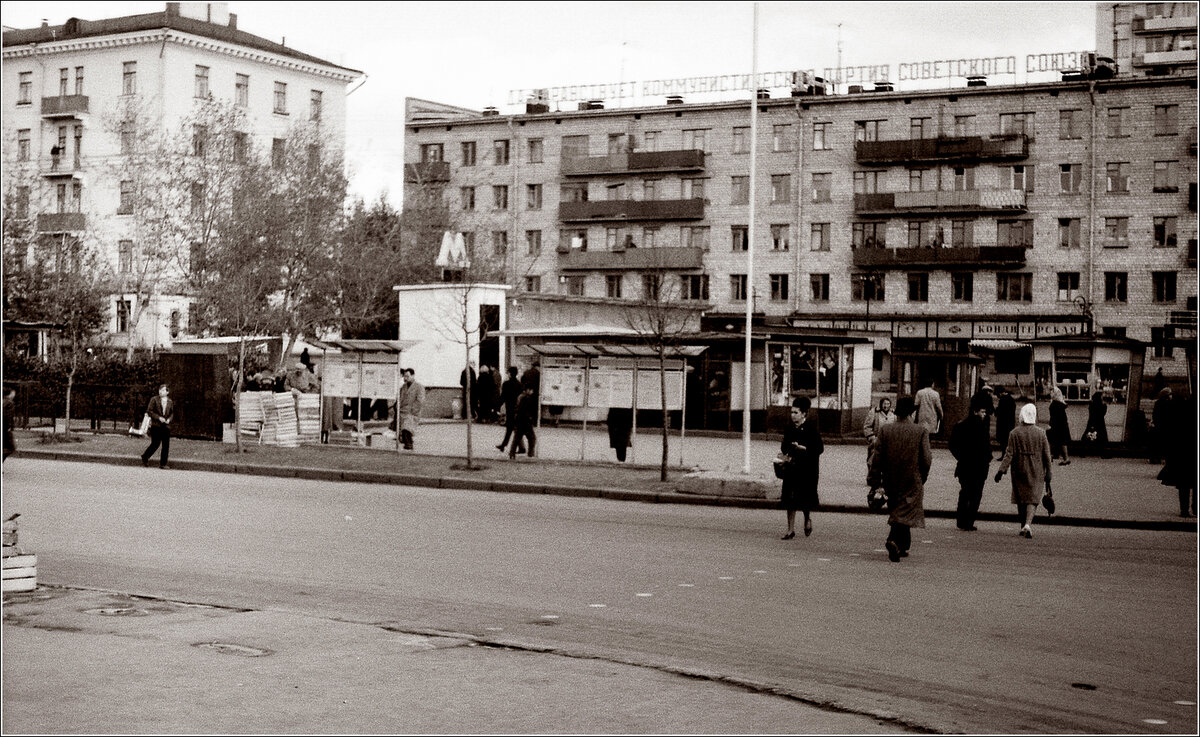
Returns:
<point x="500" y="152"/>
<point x="574" y="147"/>
<point x="201" y="85"/>
<point x="1116" y="286"/>
<point x="868" y="235"/>
<point x="694" y="139"/>
<point x="64" y="81"/>
<point x="819" y="240"/>
<point x="866" y="130"/>
<point x="692" y="189"/>
<point x="432" y="152"/>
<point x="25" y="87"/>
<point x="1164" y="176"/>
<point x="650" y="237"/>
<point x="241" y="144"/>
<point x="1118" y="176"/>
<point x="314" y="104"/>
<point x="650" y="140"/>
<point x="694" y="287"/>
<point x="781" y="138"/>
<point x="612" y="286"/>
<point x="737" y="287"/>
<point x="241" y="89"/>
<point x="866" y="288"/>
<point x="964" y="125"/>
<point x="125" y="204"/>
<point x="651" y="287"/>
<point x="616" y="191"/>
<point x="1158" y="338"/>
<point x="741" y="140"/>
<point x="278" y="153"/>
<point x="650" y="189"/>
<point x="1164" y="232"/>
<point x="199" y="139"/>
<point x="312" y="158"/>
<point x="574" y="239"/>
<point x="536" y="150"/>
<point x="821" y="183"/>
<point x="779" y="287"/>
<point x="1163" y="283"/>
<point x="130" y="78"/>
<point x="533" y="196"/>
<point x="1118" y="122"/>
<point x="1166" y="120"/>
<point x="466" y="196"/>
<point x="919" y="128"/>
<point x="280" y="104"/>
<point x="694" y="236"/>
<point x="1014" y="233"/>
<point x="574" y="192"/>
<point x="962" y="234"/>
<point x="533" y="242"/>
<point x="820" y="136"/>
<point x="23" y="142"/>
<point x="866" y="182"/>
<point x="612" y="239"/>
<point x="921" y="180"/>
<point x="1014" y="287"/>
<point x="1022" y="177"/>
<point x="781" y="189"/>
<point x="1116" y="232"/>
<point x="575" y="285"/>
<point x="79" y="80"/>
<point x="1068" y="286"/>
<point x="964" y="178"/>
<point x="125" y="256"/>
<point x="1070" y="124"/>
<point x="1070" y="176"/>
<point x="918" y="287"/>
<point x="500" y="197"/>
<point x="499" y="242"/>
<point x="467" y="149"/>
<point x="1016" y="124"/>
<point x="819" y="287"/>
<point x="740" y="237"/>
<point x="918" y="233"/>
<point x="780" y="237"/>
<point x="740" y="190"/>
<point x="1069" y="230"/>
<point x="197" y="192"/>
<point x="533" y="284"/>
<point x="123" y="315"/>
<point x="962" y="286"/>
<point x="618" y="143"/>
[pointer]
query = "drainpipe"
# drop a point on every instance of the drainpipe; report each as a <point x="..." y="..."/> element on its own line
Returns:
<point x="1091" y="265"/>
<point x="799" y="201"/>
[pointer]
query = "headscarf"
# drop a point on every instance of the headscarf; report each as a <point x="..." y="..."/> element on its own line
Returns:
<point x="1029" y="414"/>
<point x="1056" y="395"/>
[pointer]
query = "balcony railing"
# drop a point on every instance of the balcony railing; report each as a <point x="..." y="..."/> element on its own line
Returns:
<point x="62" y="166"/>
<point x="919" y="203"/>
<point x="632" y="259"/>
<point x="633" y="162"/>
<point x="61" y="222"/>
<point x="975" y="257"/>
<point x="427" y="172"/>
<point x="1157" y="58"/>
<point x="630" y="210"/>
<point x="66" y="106"/>
<point x="1160" y="25"/>
<point x="966" y="148"/>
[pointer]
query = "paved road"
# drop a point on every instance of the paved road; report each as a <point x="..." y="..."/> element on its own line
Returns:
<point x="975" y="632"/>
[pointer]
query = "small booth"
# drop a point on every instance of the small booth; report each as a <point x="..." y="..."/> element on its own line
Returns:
<point x="359" y="369"/>
<point x="200" y="374"/>
<point x="1081" y="366"/>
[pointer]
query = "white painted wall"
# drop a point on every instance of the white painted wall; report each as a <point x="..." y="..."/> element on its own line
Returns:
<point x="432" y="314"/>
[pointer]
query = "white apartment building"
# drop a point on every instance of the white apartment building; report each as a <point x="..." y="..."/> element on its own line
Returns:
<point x="63" y="85"/>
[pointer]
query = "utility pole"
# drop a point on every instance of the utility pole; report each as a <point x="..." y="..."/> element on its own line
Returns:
<point x="750" y="245"/>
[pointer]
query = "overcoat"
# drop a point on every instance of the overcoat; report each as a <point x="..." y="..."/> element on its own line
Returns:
<point x="408" y="406"/>
<point x="971" y="446"/>
<point x="620" y="427"/>
<point x="804" y="470"/>
<point x="1060" y="430"/>
<point x="1028" y="454"/>
<point x="901" y="465"/>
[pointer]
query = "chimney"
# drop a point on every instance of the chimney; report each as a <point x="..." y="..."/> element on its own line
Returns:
<point x="490" y="111"/>
<point x="233" y="21"/>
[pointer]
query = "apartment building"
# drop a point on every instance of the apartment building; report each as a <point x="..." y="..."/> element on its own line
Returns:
<point x="65" y="85"/>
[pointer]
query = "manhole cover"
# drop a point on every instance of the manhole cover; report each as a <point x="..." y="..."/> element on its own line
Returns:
<point x="227" y="648"/>
<point x="117" y="612"/>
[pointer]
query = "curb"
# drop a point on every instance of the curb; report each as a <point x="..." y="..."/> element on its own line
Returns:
<point x="523" y="487"/>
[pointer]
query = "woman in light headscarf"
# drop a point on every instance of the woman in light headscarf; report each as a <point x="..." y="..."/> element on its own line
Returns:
<point x="1060" y="431"/>
<point x="1028" y="453"/>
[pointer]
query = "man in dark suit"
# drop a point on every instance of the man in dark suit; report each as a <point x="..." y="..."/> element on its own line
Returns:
<point x="900" y="466"/>
<point x="161" y="409"/>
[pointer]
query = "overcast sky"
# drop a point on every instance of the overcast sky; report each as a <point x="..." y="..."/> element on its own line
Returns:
<point x="473" y="54"/>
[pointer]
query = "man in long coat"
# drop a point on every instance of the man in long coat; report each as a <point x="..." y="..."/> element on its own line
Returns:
<point x="928" y="405"/>
<point x="408" y="407"/>
<point x="900" y="466"/>
<point x="971" y="445"/>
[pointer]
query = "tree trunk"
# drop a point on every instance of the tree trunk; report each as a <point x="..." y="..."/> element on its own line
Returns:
<point x="70" y="386"/>
<point x="467" y="406"/>
<point x="285" y="356"/>
<point x="666" y="415"/>
<point x="237" y="396"/>
<point x="135" y="316"/>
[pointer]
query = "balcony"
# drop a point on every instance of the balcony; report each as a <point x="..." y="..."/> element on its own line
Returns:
<point x="630" y="210"/>
<point x="66" y="106"/>
<point x="895" y="204"/>
<point x="969" y="148"/>
<point x="1162" y="58"/>
<point x="973" y="258"/>
<point x="632" y="259"/>
<point x="61" y="222"/>
<point x="1164" y="25"/>
<point x="427" y="172"/>
<point x="635" y="162"/>
<point x="64" y="166"/>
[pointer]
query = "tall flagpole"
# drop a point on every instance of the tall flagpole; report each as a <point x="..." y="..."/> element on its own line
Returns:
<point x="750" y="242"/>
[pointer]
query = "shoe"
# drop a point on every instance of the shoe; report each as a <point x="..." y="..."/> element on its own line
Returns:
<point x="163" y="466"/>
<point x="903" y="553"/>
<point x="1064" y="463"/>
<point x="1026" y="532"/>
<point x="146" y="462"/>
<point x="788" y="536"/>
<point x="893" y="552"/>
<point x="972" y="528"/>
<point x="500" y="448"/>
<point x="807" y="527"/>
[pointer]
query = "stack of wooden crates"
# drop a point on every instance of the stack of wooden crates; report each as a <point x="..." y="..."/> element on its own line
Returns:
<point x="20" y="569"/>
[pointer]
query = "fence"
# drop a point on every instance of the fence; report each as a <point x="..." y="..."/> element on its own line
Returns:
<point x="104" y="406"/>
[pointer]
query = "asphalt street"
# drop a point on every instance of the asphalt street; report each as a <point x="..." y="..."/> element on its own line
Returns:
<point x="1077" y="630"/>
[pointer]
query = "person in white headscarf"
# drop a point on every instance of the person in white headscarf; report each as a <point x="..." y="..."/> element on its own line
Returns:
<point x="1028" y="454"/>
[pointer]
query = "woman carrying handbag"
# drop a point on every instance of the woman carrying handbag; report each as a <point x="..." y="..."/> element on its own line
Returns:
<point x="802" y="447"/>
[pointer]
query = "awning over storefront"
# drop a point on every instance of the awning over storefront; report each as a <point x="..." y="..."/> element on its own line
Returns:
<point x="582" y="350"/>
<point x="365" y="346"/>
<point x="999" y="345"/>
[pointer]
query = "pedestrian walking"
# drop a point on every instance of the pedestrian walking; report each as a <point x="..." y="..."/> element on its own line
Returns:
<point x="900" y="467"/>
<point x="408" y="407"/>
<point x="466" y="379"/>
<point x="802" y="446"/>
<point x="510" y="391"/>
<point x="1060" y="430"/>
<point x="10" y="420"/>
<point x="485" y="403"/>
<point x="620" y="430"/>
<point x="985" y="396"/>
<point x="161" y="410"/>
<point x="1028" y="455"/>
<point x="1159" y="422"/>
<point x="929" y="408"/>
<point x="1006" y="416"/>
<point x="875" y="419"/>
<point x="1095" y="434"/>
<point x="526" y="417"/>
<point x="971" y="446"/>
<point x="532" y="378"/>
<point x="1180" y="452"/>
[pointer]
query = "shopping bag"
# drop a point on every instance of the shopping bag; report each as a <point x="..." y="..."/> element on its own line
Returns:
<point x="143" y="428"/>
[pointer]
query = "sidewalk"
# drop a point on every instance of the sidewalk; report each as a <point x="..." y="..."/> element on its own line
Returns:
<point x="1116" y="492"/>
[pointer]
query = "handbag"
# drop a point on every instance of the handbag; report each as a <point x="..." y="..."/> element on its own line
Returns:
<point x="1090" y="436"/>
<point x="143" y="429"/>
<point x="782" y="464"/>
<point x="1048" y="502"/>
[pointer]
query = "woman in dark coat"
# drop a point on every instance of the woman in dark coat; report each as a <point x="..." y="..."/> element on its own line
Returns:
<point x="803" y="447"/>
<point x="1095" y="424"/>
<point x="1060" y="430"/>
<point x="1179" y="429"/>
<point x="620" y="430"/>
<point x="1006" y="417"/>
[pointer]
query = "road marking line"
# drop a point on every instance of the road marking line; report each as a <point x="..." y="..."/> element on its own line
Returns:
<point x="880" y="550"/>
<point x="794" y="565"/>
<point x="825" y="559"/>
<point x="1155" y="721"/>
<point x="760" y="571"/>
<point x="643" y="595"/>
<point x="494" y="629"/>
<point x="855" y="555"/>
<point x="725" y="578"/>
<point x="926" y="542"/>
<point x="1186" y="703"/>
<point x="598" y="606"/>
<point x="549" y="616"/>
<point x="687" y="585"/>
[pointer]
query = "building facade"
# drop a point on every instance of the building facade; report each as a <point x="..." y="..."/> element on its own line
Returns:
<point x="65" y="89"/>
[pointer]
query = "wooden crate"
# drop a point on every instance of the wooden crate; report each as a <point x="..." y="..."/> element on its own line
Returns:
<point x="20" y="573"/>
